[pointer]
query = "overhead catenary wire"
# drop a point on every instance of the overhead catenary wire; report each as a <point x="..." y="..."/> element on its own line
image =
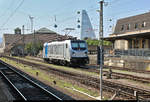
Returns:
<point x="38" y="17"/>
<point x="60" y="8"/>
<point x="53" y="10"/>
<point x="116" y="15"/>
<point x="11" y="15"/>
<point x="65" y="19"/>
<point x="114" y="2"/>
<point x="71" y="17"/>
<point x="121" y="13"/>
<point x="122" y="8"/>
<point x="9" y="7"/>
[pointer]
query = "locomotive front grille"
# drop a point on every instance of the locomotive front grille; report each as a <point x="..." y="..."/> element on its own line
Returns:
<point x="80" y="60"/>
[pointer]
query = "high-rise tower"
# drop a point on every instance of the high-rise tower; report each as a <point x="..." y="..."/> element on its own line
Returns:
<point x="86" y="27"/>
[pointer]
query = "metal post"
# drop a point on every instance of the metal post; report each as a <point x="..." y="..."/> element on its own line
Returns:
<point x="55" y="28"/>
<point x="101" y="45"/>
<point x="23" y="40"/>
<point x="34" y="43"/>
<point x="136" y="95"/>
<point x="31" y="19"/>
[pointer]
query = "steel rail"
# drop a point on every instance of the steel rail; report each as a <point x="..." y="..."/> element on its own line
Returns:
<point x="32" y="81"/>
<point x="23" y="97"/>
<point x="120" y="75"/>
<point x="127" y="69"/>
<point x="115" y="84"/>
<point x="115" y="74"/>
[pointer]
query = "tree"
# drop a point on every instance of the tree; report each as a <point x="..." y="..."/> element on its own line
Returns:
<point x="31" y="48"/>
<point x="28" y="48"/>
<point x="96" y="42"/>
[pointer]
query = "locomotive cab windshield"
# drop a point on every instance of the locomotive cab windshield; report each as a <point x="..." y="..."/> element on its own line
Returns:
<point x="78" y="45"/>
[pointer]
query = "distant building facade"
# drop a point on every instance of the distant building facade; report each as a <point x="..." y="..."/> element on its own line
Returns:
<point x="86" y="27"/>
<point x="132" y="33"/>
<point x="14" y="42"/>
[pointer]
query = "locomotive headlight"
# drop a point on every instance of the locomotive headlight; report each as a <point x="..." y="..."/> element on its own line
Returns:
<point x="73" y="53"/>
<point x="86" y="53"/>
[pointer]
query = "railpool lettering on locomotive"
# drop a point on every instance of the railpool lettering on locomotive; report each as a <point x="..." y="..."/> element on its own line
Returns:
<point x="68" y="52"/>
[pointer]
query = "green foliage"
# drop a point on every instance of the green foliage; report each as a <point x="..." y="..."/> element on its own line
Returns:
<point x="32" y="48"/>
<point x="96" y="42"/>
<point x="107" y="43"/>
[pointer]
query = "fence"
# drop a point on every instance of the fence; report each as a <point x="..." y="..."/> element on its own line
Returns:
<point x="118" y="53"/>
<point x="132" y="58"/>
<point x="133" y="52"/>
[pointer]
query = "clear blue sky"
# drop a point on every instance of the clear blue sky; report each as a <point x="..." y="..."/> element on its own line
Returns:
<point x="43" y="12"/>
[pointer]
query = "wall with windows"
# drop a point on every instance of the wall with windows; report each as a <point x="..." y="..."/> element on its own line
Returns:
<point x="139" y="25"/>
<point x="133" y="23"/>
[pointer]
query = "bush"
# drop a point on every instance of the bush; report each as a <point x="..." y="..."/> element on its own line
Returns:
<point x="96" y="42"/>
<point x="32" y="48"/>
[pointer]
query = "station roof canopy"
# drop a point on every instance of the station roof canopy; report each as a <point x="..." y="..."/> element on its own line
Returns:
<point x="130" y="35"/>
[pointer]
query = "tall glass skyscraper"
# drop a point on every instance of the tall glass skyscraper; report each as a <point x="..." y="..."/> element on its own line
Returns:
<point x="86" y="27"/>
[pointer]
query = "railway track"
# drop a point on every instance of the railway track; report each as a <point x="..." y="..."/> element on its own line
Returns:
<point x="123" y="76"/>
<point x="128" y="69"/>
<point x="112" y="67"/>
<point x="115" y="74"/>
<point x="25" y="88"/>
<point x="125" y="90"/>
<point x="131" y="77"/>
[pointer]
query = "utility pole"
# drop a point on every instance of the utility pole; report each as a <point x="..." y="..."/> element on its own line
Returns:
<point x="34" y="43"/>
<point x="31" y="19"/>
<point x="101" y="46"/>
<point x="23" y="40"/>
<point x="55" y="25"/>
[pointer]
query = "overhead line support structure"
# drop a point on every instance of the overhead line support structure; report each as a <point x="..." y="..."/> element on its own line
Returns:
<point x="101" y="46"/>
<point x="33" y="49"/>
<point x="23" y="40"/>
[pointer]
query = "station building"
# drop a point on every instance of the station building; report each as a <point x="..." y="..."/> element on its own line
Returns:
<point x="131" y="43"/>
<point x="131" y="33"/>
<point x="14" y="42"/>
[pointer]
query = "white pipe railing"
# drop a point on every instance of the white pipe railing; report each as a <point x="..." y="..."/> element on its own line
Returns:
<point x="129" y="52"/>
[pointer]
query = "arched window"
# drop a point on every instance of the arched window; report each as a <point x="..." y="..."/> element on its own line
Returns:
<point x="143" y="24"/>
<point x="143" y="43"/>
<point x="122" y="27"/>
<point x="128" y="26"/>
<point x="136" y="25"/>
